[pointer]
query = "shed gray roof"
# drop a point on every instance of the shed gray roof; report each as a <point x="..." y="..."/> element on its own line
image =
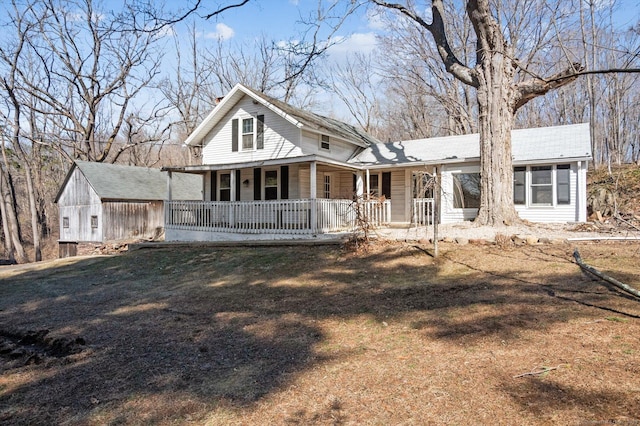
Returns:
<point x="117" y="182"/>
<point x="543" y="144"/>
<point x="298" y="117"/>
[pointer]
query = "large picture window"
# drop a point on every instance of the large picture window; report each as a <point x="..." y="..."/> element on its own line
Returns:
<point x="466" y="190"/>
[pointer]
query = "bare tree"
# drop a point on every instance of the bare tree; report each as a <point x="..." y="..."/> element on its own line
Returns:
<point x="92" y="70"/>
<point x="507" y="73"/>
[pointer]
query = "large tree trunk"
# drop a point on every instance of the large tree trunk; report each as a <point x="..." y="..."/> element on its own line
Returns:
<point x="496" y="165"/>
<point x="495" y="71"/>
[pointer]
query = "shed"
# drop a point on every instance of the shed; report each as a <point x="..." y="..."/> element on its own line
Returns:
<point x="101" y="202"/>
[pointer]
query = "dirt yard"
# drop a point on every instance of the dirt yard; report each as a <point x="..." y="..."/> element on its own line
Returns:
<point x="317" y="335"/>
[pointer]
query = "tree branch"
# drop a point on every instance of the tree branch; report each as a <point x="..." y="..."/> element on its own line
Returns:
<point x="438" y="31"/>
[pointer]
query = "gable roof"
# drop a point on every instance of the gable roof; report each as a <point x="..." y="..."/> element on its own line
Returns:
<point x="118" y="182"/>
<point x="296" y="116"/>
<point x="570" y="142"/>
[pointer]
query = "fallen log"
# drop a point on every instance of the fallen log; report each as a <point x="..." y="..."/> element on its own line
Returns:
<point x="602" y="275"/>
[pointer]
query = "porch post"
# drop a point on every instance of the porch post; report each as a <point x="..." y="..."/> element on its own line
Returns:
<point x="368" y="184"/>
<point x="169" y="177"/>
<point x="313" y="196"/>
<point x="359" y="185"/>
<point x="232" y="196"/>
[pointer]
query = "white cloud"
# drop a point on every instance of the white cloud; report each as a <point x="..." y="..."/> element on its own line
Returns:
<point x="375" y="20"/>
<point x="222" y="32"/>
<point x="357" y="42"/>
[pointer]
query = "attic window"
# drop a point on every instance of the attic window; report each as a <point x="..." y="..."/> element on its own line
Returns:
<point x="94" y="222"/>
<point x="324" y="142"/>
<point x="65" y="222"/>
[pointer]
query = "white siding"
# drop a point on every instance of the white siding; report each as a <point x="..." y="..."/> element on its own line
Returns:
<point x="78" y="202"/>
<point x="558" y="213"/>
<point x="572" y="212"/>
<point x="339" y="149"/>
<point x="449" y="214"/>
<point x="281" y="138"/>
<point x="399" y="203"/>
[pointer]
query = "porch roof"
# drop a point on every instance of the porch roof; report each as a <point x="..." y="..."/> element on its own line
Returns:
<point x="537" y="145"/>
<point x="203" y="168"/>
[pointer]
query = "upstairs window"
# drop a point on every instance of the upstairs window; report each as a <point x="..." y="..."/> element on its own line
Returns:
<point x="94" y="222"/>
<point x="324" y="142"/>
<point x="65" y="222"/>
<point x="247" y="134"/>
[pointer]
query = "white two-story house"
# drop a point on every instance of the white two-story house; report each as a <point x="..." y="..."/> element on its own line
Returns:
<point x="271" y="170"/>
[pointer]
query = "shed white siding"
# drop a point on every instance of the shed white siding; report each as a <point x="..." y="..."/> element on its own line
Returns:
<point x="78" y="203"/>
<point x="281" y="137"/>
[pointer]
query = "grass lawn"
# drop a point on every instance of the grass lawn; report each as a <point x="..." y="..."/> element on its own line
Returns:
<point x="317" y="335"/>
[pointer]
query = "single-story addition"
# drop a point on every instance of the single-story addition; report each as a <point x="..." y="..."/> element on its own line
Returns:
<point x="100" y="202"/>
<point x="270" y="170"/>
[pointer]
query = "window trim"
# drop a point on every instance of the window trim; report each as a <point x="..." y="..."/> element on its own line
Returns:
<point x="327" y="186"/>
<point x="265" y="186"/>
<point x="453" y="189"/>
<point x="252" y="133"/>
<point x="325" y="139"/>
<point x="555" y="183"/>
<point x="223" y="188"/>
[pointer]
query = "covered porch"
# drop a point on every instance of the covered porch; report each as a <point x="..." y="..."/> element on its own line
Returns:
<point x="296" y="198"/>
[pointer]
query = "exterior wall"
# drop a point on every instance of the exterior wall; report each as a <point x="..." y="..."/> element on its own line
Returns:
<point x="557" y="213"/>
<point x="572" y="212"/>
<point x="338" y="148"/>
<point x="131" y="219"/>
<point x="449" y="214"/>
<point x="79" y="202"/>
<point x="281" y="138"/>
<point x="399" y="202"/>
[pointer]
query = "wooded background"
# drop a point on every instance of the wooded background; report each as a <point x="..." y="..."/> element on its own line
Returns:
<point x="80" y="81"/>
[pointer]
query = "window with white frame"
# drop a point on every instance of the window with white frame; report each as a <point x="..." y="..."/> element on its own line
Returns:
<point x="271" y="185"/>
<point x="324" y="142"/>
<point x="538" y="185"/>
<point x="542" y="185"/>
<point x="247" y="134"/>
<point x="466" y="190"/>
<point x="65" y="222"/>
<point x="94" y="222"/>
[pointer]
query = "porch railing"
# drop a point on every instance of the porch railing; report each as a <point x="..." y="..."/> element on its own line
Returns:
<point x="301" y="216"/>
<point x="422" y="211"/>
